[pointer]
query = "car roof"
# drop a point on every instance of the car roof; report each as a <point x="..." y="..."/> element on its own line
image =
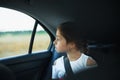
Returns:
<point x="98" y="19"/>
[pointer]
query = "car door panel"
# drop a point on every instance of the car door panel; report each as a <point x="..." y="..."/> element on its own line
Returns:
<point x="28" y="66"/>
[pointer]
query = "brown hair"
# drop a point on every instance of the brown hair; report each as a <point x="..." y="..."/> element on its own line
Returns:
<point x="70" y="31"/>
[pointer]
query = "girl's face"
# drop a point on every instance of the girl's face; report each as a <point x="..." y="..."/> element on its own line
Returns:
<point x="60" y="43"/>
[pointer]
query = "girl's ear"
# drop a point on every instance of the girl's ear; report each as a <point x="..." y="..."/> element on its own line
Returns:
<point x="72" y="45"/>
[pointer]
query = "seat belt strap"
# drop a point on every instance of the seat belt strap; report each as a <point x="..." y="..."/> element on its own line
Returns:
<point x="68" y="69"/>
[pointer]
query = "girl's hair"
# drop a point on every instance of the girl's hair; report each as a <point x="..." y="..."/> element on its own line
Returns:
<point x="70" y="31"/>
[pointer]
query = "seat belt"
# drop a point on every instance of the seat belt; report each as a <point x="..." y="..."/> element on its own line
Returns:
<point x="69" y="73"/>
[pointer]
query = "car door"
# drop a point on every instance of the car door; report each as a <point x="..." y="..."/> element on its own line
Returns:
<point x="25" y="45"/>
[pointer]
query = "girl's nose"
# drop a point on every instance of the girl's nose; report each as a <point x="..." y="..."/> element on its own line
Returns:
<point x="54" y="42"/>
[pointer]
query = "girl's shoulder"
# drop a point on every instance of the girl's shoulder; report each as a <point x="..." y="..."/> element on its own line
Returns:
<point x="58" y="60"/>
<point x="91" y="61"/>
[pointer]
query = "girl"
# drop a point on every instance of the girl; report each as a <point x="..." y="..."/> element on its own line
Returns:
<point x="68" y="40"/>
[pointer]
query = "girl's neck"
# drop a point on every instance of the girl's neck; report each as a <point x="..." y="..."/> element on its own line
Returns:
<point x="74" y="55"/>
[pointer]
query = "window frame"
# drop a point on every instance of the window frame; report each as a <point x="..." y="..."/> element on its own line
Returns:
<point x="34" y="33"/>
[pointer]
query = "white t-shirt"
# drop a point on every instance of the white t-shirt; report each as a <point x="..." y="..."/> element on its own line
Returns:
<point x="58" y="70"/>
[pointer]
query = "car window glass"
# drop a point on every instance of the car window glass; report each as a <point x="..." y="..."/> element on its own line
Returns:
<point x="15" y="32"/>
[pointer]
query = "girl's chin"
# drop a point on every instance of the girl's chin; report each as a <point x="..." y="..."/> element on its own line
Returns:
<point x="57" y="50"/>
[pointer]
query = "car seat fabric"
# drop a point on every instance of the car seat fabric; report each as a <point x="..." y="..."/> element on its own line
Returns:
<point x="108" y="64"/>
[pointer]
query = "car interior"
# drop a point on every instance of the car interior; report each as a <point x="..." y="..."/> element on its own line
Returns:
<point x="98" y="21"/>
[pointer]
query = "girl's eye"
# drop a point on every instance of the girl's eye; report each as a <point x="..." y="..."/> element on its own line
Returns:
<point x="57" y="39"/>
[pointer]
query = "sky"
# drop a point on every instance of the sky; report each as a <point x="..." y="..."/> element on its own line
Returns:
<point x="11" y="20"/>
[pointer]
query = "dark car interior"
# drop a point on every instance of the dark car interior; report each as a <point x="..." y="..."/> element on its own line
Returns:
<point x="99" y="23"/>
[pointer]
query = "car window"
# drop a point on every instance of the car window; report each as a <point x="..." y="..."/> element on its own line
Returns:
<point x="15" y="34"/>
